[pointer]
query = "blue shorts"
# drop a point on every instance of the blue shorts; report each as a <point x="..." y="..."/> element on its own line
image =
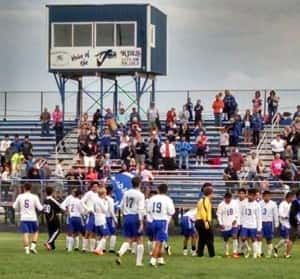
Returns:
<point x="248" y="233"/>
<point x="102" y="231"/>
<point x="111" y="226"/>
<point x="75" y="225"/>
<point x="284" y="232"/>
<point x="29" y="226"/>
<point x="230" y="233"/>
<point x="267" y="230"/>
<point x="187" y="227"/>
<point x="149" y="230"/>
<point x="131" y="225"/>
<point x="160" y="230"/>
<point x="90" y="224"/>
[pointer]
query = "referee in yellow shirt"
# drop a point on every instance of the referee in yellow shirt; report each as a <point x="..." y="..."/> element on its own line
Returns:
<point x="204" y="222"/>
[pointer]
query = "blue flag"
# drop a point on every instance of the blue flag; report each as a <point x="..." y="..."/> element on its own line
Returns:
<point x="121" y="182"/>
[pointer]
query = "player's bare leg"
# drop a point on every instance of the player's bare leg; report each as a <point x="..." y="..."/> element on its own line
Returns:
<point x="101" y="243"/>
<point x="194" y="244"/>
<point x="235" y="245"/>
<point x="26" y="243"/>
<point x="34" y="240"/>
<point x="185" y="245"/>
<point x="289" y="247"/>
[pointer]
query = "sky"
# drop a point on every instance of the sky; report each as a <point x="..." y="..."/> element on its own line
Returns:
<point x="212" y="44"/>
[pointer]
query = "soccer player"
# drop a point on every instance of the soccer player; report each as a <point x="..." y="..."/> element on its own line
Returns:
<point x="75" y="211"/>
<point x="27" y="203"/>
<point x="100" y="209"/>
<point x="228" y="217"/>
<point x="51" y="211"/>
<point x="284" y="213"/>
<point x="149" y="220"/>
<point x="133" y="207"/>
<point x="188" y="231"/>
<point x="111" y="220"/>
<point x="270" y="220"/>
<point x="89" y="241"/>
<point x="162" y="209"/>
<point x="251" y="223"/>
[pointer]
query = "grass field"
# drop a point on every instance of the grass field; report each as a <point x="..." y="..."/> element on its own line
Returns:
<point x="59" y="264"/>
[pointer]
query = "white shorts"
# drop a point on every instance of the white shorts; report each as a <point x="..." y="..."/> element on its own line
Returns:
<point x="89" y="161"/>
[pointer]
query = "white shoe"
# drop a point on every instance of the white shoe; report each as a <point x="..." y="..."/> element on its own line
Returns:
<point x="33" y="251"/>
<point x="185" y="252"/>
<point x="161" y="261"/>
<point x="194" y="253"/>
<point x="139" y="265"/>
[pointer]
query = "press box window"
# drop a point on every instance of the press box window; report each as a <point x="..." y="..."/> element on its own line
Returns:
<point x="105" y="34"/>
<point x="62" y="35"/>
<point x="125" y="34"/>
<point x="82" y="35"/>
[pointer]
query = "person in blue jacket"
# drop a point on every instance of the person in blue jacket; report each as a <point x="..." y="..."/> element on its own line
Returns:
<point x="257" y="125"/>
<point x="183" y="149"/>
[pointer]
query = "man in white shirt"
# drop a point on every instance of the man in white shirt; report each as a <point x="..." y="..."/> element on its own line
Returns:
<point x="162" y="209"/>
<point x="285" y="226"/>
<point x="75" y="211"/>
<point x="228" y="217"/>
<point x="133" y="209"/>
<point x="270" y="220"/>
<point x="28" y="203"/>
<point x="278" y="145"/>
<point x="4" y="145"/>
<point x="251" y="223"/>
<point x="88" y="201"/>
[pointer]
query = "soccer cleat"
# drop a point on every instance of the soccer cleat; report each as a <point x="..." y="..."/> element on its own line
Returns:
<point x="235" y="256"/>
<point x="287" y="256"/>
<point x="139" y="265"/>
<point x="161" y="261"/>
<point x="83" y="251"/>
<point x="275" y="252"/>
<point x="98" y="252"/>
<point x="194" y="253"/>
<point x="247" y="254"/>
<point x="185" y="252"/>
<point x="112" y="251"/>
<point x="47" y="246"/>
<point x="76" y="249"/>
<point x="118" y="261"/>
<point x="33" y="251"/>
<point x="227" y="255"/>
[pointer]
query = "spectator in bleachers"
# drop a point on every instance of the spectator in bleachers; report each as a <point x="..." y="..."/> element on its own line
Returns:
<point x="230" y="177"/>
<point x="171" y="116"/>
<point x="184" y="115"/>
<point x="293" y="139"/>
<point x="58" y="128"/>
<point x="128" y="153"/>
<point x="273" y="102"/>
<point x="285" y="119"/>
<point x="152" y="116"/>
<point x="198" y="127"/>
<point x="89" y="155"/>
<point x="4" y="145"/>
<point x="134" y="115"/>
<point x="124" y="142"/>
<point x="96" y="118"/>
<point x="140" y="152"/>
<point x="202" y="147"/>
<point x="257" y="126"/>
<point x="184" y="149"/>
<point x="189" y="107"/>
<point x="156" y="155"/>
<point x="278" y="145"/>
<point x="251" y="166"/>
<point x="230" y="105"/>
<point x="234" y="130"/>
<point x="198" y="109"/>
<point x="297" y="113"/>
<point x="218" y="107"/>
<point x="26" y="147"/>
<point x="93" y="136"/>
<point x="257" y="103"/>
<point x="105" y="141"/>
<point x="16" y="144"/>
<point x="288" y="172"/>
<point x="168" y="153"/>
<point x="147" y="178"/>
<point x="184" y="130"/>
<point x="110" y="121"/>
<point x="135" y="127"/>
<point x="16" y="161"/>
<point x="29" y="163"/>
<point x="45" y="171"/>
<point x="224" y="142"/>
<point x="91" y="174"/>
<point x="122" y="117"/>
<point x="237" y="159"/>
<point x="59" y="169"/>
<point x="5" y="174"/>
<point x="247" y="131"/>
<point x="277" y="166"/>
<point x="288" y="153"/>
<point x="171" y="131"/>
<point x="45" y="119"/>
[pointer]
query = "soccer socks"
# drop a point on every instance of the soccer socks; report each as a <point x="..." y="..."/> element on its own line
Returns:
<point x="84" y="244"/>
<point x="139" y="254"/>
<point x="33" y="245"/>
<point x="92" y="244"/>
<point x="76" y="242"/>
<point x="133" y="247"/>
<point x="235" y="246"/>
<point x="259" y="248"/>
<point x="281" y="243"/>
<point x="101" y="245"/>
<point x="226" y="248"/>
<point x="125" y="246"/>
<point x="255" y="249"/>
<point x="70" y="244"/>
<point x="112" y="242"/>
<point x="150" y="246"/>
<point x="270" y="250"/>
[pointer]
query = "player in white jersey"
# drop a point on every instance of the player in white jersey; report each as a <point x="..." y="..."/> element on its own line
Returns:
<point x="133" y="208"/>
<point x="149" y="221"/>
<point x="75" y="210"/>
<point x="251" y="223"/>
<point x="162" y="209"/>
<point x="269" y="211"/>
<point x="228" y="218"/>
<point x="285" y="226"/>
<point x="188" y="231"/>
<point x="111" y="220"/>
<point x="241" y="202"/>
<point x="28" y="203"/>
<point x="101" y="209"/>
<point x="68" y="234"/>
<point x="90" y="229"/>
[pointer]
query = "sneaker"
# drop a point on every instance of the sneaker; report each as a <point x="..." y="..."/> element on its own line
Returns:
<point x="185" y="252"/>
<point x="287" y="256"/>
<point x="194" y="253"/>
<point x="118" y="261"/>
<point x="47" y="246"/>
<point x="33" y="251"/>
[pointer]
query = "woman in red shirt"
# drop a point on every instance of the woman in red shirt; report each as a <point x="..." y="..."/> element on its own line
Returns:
<point x="201" y="142"/>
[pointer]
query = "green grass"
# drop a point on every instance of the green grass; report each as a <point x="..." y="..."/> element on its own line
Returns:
<point x="59" y="264"/>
